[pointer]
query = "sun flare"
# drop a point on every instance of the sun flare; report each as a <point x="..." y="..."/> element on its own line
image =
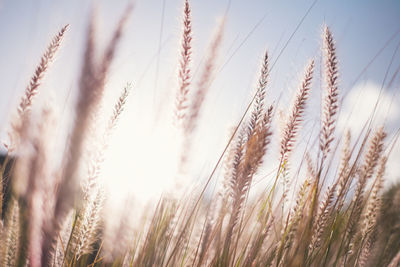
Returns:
<point x="143" y="158"/>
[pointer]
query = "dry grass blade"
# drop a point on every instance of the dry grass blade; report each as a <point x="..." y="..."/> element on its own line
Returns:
<point x="248" y="159"/>
<point x="184" y="65"/>
<point x="196" y="103"/>
<point x="89" y="225"/>
<point x="292" y="126"/>
<point x="370" y="215"/>
<point x="373" y="205"/>
<point x="289" y="232"/>
<point x="205" y="80"/>
<point x="259" y="109"/>
<point x="372" y="157"/>
<point x="11" y="233"/>
<point x="98" y="156"/>
<point x="118" y="109"/>
<point x="373" y="154"/>
<point x="344" y="169"/>
<point x="109" y="53"/>
<point x="92" y="84"/>
<point x="32" y="89"/>
<point x="297" y="111"/>
<point x="331" y="96"/>
<point x="36" y="198"/>
<point x="323" y="216"/>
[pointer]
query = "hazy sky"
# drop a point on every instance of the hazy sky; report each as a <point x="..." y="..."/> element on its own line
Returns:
<point x="361" y="28"/>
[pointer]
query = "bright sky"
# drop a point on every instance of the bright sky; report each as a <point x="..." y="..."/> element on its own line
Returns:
<point x="361" y="29"/>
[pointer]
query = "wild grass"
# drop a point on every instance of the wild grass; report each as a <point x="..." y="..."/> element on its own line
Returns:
<point x="338" y="215"/>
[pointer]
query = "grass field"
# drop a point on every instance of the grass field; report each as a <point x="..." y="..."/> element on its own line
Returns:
<point x="325" y="203"/>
